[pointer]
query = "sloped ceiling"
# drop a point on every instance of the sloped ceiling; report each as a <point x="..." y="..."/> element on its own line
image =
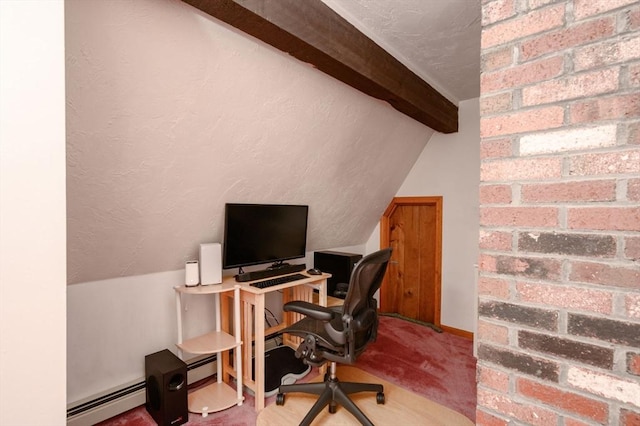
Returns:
<point x="314" y="33"/>
<point x="439" y="40"/>
<point x="171" y="113"/>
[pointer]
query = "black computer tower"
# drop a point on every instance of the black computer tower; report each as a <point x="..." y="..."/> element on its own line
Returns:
<point x="166" y="382"/>
<point x="339" y="265"/>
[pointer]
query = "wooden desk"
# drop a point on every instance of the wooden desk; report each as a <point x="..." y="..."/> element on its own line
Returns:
<point x="252" y="310"/>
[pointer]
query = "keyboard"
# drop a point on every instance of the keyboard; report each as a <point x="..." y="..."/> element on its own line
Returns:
<point x="278" y="280"/>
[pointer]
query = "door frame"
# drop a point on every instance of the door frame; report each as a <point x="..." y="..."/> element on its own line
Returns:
<point x="384" y="242"/>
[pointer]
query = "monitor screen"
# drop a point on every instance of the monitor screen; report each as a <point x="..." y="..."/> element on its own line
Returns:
<point x="263" y="233"/>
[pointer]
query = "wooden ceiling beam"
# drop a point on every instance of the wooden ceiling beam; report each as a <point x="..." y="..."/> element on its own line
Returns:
<point x="312" y="32"/>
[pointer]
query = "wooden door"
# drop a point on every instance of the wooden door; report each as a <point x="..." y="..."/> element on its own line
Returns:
<point x="412" y="226"/>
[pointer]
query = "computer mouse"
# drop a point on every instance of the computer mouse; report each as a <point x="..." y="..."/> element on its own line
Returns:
<point x="314" y="271"/>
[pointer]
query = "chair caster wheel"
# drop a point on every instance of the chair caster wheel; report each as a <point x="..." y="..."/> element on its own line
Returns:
<point x="280" y="399"/>
<point x="333" y="407"/>
<point x="380" y="397"/>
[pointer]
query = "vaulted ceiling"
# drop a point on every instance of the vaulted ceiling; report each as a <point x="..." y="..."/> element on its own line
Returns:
<point x="171" y="113"/>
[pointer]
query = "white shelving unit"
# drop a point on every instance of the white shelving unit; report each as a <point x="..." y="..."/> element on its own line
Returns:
<point x="219" y="395"/>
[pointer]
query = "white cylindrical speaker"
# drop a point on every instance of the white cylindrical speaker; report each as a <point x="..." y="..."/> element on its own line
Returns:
<point x="210" y="263"/>
<point x="191" y="273"/>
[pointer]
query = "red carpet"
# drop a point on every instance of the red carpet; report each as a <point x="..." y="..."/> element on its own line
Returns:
<point x="439" y="366"/>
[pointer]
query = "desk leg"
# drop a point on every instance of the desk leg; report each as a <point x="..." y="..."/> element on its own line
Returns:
<point x="322" y="300"/>
<point x="259" y="351"/>
<point x="322" y="294"/>
<point x="225" y="326"/>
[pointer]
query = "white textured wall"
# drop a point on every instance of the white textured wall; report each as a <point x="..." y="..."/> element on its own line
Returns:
<point x="450" y="166"/>
<point x="171" y="114"/>
<point x="32" y="213"/>
<point x="113" y="324"/>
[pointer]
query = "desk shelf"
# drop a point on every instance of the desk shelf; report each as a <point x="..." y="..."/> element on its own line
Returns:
<point x="216" y="341"/>
<point x="219" y="395"/>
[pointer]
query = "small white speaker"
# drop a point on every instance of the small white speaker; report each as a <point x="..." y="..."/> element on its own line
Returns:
<point x="210" y="263"/>
<point x="191" y="273"/>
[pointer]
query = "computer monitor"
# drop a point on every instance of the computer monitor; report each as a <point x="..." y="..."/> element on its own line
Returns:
<point x="263" y="233"/>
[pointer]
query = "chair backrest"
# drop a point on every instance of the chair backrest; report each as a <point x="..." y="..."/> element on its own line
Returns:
<point x="359" y="303"/>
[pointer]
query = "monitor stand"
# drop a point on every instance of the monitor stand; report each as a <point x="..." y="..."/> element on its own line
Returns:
<point x="268" y="273"/>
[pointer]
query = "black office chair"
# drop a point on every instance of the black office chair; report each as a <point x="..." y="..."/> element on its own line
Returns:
<point x="339" y="335"/>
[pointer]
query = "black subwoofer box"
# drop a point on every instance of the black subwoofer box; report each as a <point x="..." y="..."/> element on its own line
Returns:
<point x="166" y="383"/>
<point x="339" y="265"/>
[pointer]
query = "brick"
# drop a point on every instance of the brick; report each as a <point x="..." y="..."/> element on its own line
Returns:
<point x="489" y="332"/>
<point x="633" y="363"/>
<point x="611" y="108"/>
<point x="632" y="305"/>
<point x="495" y="240"/>
<point x="573" y="87"/>
<point x="629" y="418"/>
<point x="566" y="38"/>
<point x="495" y="148"/>
<point x="493" y="287"/>
<point x="605" y="385"/>
<point x="600" y="190"/>
<point x="633" y="133"/>
<point x="567" y="244"/>
<point x="633" y="190"/>
<point x="487" y="263"/>
<point x="531" y="72"/>
<point x="497" y="103"/>
<point x="537" y="268"/>
<point x="485" y="419"/>
<point x="569" y="401"/>
<point x="633" y="19"/>
<point x="495" y="194"/>
<point x="607" y="53"/>
<point x="601" y="273"/>
<point x="632" y="248"/>
<point x="587" y="8"/>
<point x="517" y="314"/>
<point x="566" y="297"/>
<point x="523" y="363"/>
<point x="604" y="218"/>
<point x="526" y="413"/>
<point x="607" y="163"/>
<point x="519" y="216"/>
<point x="634" y="75"/>
<point x="496" y="59"/>
<point x="519" y="27"/>
<point x="521" y="169"/>
<point x="497" y="10"/>
<point x="569" y="139"/>
<point x="492" y="378"/>
<point x="522" y="121"/>
<point x="585" y="353"/>
<point x="604" y="329"/>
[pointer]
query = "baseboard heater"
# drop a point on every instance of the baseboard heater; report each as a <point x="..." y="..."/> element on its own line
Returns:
<point x="103" y="407"/>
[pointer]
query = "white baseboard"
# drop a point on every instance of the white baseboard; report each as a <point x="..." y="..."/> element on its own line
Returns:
<point x="106" y="410"/>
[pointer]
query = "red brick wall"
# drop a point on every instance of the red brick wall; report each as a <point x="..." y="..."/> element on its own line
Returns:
<point x="559" y="286"/>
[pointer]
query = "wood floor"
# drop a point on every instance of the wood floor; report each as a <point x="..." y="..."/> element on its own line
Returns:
<point x="401" y="407"/>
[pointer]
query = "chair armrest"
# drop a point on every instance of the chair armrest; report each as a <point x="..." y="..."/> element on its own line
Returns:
<point x="314" y="311"/>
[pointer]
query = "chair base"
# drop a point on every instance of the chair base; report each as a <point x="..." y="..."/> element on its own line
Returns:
<point x="333" y="392"/>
